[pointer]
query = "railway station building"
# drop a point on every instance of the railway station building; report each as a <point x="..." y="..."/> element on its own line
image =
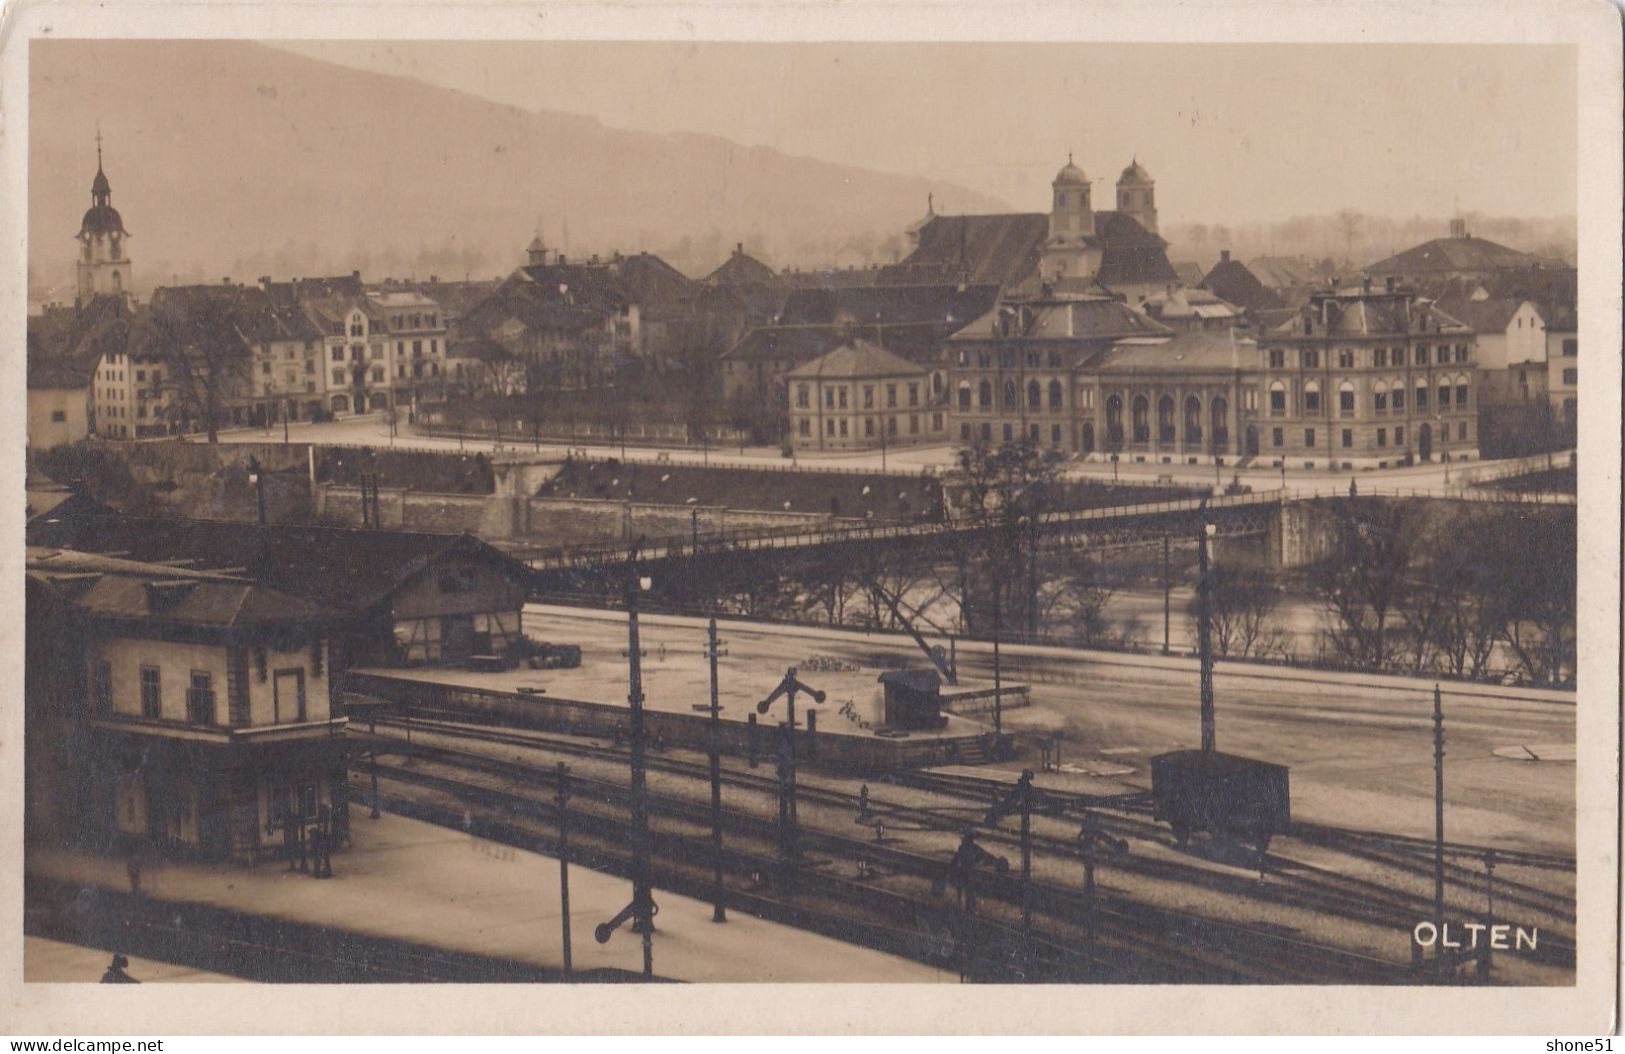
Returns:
<point x="181" y="708"/>
<point x="408" y="598"/>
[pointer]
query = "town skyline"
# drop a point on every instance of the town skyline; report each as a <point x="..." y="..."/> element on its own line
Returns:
<point x="799" y="209"/>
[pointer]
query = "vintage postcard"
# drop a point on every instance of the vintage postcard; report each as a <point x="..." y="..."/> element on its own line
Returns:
<point x="1086" y="504"/>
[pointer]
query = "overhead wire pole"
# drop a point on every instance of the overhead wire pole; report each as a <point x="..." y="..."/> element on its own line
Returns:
<point x="1204" y="625"/>
<point x="1438" y="810"/>
<point x="564" y="861"/>
<point x="719" y="911"/>
<point x="641" y="910"/>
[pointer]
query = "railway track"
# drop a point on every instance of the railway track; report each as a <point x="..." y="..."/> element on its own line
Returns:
<point x="1300" y="885"/>
<point x="1184" y="930"/>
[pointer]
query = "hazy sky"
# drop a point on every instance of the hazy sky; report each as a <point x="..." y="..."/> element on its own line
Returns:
<point x="1231" y="133"/>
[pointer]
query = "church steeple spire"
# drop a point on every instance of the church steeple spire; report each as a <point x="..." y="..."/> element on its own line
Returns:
<point x="103" y="266"/>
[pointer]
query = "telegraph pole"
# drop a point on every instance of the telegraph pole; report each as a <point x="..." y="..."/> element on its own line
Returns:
<point x="719" y="912"/>
<point x="643" y="921"/>
<point x="998" y="693"/>
<point x="1166" y="586"/>
<point x="564" y="861"/>
<point x="641" y="910"/>
<point x="1438" y="809"/>
<point x="1204" y="630"/>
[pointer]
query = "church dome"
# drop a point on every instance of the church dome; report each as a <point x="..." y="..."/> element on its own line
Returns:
<point x="1134" y="174"/>
<point x="102" y="219"/>
<point x="1071" y="173"/>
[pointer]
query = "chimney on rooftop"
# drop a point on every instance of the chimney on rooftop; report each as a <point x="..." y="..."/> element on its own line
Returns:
<point x="739" y="248"/>
<point x="265" y="281"/>
<point x="1458" y="228"/>
<point x="1224" y="255"/>
<point x="225" y="279"/>
<point x="356" y="275"/>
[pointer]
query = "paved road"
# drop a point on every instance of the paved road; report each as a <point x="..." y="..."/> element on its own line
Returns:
<point x="1359" y="746"/>
<point x="373" y="430"/>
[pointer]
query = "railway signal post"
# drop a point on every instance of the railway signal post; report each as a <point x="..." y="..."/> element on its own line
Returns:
<point x="1091" y="836"/>
<point x="1021" y="800"/>
<point x="719" y="912"/>
<point x="788" y="687"/>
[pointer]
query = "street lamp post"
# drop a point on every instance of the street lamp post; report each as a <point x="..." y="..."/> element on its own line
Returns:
<point x="1204" y="628"/>
<point x="640" y="912"/>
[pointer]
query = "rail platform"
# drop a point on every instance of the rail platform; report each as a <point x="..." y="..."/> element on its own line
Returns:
<point x="841" y="734"/>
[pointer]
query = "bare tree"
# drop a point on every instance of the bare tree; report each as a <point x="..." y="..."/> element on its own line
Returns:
<point x="1363" y="576"/>
<point x="1242" y="603"/>
<point x="205" y="357"/>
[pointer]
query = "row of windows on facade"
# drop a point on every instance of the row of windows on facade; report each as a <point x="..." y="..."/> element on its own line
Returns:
<point x="1384" y="399"/>
<point x="836" y="398"/>
<point x="1381" y="358"/>
<point x="1007" y="358"/>
<point x="1278" y="436"/>
<point x="359" y="351"/>
<point x="1035" y="394"/>
<point x="804" y="427"/>
<point x="288" y="700"/>
<point x="358" y="326"/>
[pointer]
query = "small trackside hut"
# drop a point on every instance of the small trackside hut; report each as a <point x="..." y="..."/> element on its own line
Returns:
<point x="913" y="700"/>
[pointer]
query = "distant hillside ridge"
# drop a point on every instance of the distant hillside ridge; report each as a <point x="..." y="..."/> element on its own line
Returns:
<point x="289" y="166"/>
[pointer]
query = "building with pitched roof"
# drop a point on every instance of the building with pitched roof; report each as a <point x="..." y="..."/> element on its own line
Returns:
<point x="1363" y="378"/>
<point x="1073" y="248"/>
<point x="862" y="397"/>
<point x="408" y="597"/>
<point x="183" y="708"/>
<point x="1235" y="282"/>
<point x="1459" y="256"/>
<point x="1010" y="372"/>
<point x="1509" y="346"/>
<point x="1192" y="308"/>
<point x="909" y="321"/>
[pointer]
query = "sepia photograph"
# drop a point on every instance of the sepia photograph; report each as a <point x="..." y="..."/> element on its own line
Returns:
<point x="1030" y="510"/>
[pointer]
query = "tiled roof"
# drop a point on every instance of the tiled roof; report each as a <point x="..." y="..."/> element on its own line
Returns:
<point x="346" y="568"/>
<point x="1452" y="254"/>
<point x="1189" y="271"/>
<point x="1235" y="282"/>
<point x="999" y="249"/>
<point x="654" y="285"/>
<point x="1283" y="272"/>
<point x="836" y="278"/>
<point x="136" y="591"/>
<point x="857" y="358"/>
<point x="1188" y="303"/>
<point x="742" y="269"/>
<point x="1084" y="319"/>
<point x="943" y="304"/>
<point x="1483" y="316"/>
<point x="1371" y="315"/>
<point x="1185" y="352"/>
<point x="64" y="344"/>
